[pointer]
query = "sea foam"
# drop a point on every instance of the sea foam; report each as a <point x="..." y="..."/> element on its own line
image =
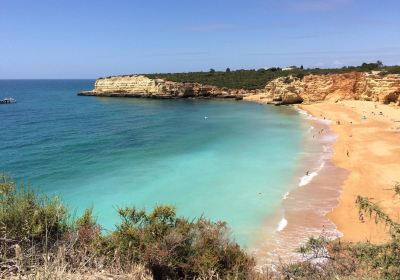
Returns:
<point x="282" y="224"/>
<point x="308" y="116"/>
<point x="285" y="195"/>
<point x="306" y="179"/>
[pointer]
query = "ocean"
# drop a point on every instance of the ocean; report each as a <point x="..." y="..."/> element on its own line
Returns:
<point x="221" y="159"/>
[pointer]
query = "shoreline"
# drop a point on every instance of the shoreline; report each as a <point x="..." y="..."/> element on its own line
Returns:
<point x="368" y="147"/>
<point x="314" y="193"/>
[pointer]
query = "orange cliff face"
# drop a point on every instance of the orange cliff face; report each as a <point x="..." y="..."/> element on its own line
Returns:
<point x="334" y="87"/>
<point x="284" y="90"/>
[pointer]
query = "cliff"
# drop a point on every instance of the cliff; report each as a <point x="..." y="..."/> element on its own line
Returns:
<point x="141" y="86"/>
<point x="334" y="87"/>
<point x="284" y="90"/>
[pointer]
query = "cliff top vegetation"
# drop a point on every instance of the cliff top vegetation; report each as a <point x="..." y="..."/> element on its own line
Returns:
<point x="257" y="79"/>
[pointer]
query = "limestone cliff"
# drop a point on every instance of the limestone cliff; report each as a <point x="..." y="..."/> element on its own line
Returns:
<point x="284" y="90"/>
<point x="335" y="87"/>
<point x="141" y="86"/>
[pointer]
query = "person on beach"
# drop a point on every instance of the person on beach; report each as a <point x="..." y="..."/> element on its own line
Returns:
<point x="361" y="217"/>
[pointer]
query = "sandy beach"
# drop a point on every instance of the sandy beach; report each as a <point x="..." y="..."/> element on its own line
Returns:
<point x="368" y="147"/>
<point x="315" y="191"/>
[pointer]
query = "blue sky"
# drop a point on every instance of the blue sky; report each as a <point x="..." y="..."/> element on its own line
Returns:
<point x="88" y="39"/>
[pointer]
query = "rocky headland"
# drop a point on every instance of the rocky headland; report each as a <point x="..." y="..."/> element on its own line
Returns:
<point x="142" y="86"/>
<point x="374" y="86"/>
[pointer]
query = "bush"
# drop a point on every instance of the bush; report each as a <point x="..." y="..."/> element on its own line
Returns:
<point x="326" y="259"/>
<point x="251" y="79"/>
<point x="26" y="217"/>
<point x="170" y="247"/>
<point x="174" y="247"/>
<point x="300" y="76"/>
<point x="37" y="239"/>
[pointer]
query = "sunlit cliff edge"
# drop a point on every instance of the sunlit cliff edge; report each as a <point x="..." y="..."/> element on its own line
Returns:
<point x="373" y="86"/>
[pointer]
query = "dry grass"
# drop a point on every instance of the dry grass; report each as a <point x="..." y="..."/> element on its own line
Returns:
<point x="37" y="242"/>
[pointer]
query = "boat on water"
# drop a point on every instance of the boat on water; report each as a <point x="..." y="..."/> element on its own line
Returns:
<point x="8" y="100"/>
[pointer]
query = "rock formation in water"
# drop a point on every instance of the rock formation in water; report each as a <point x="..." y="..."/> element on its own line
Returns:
<point x="285" y="90"/>
<point x="334" y="87"/>
<point x="141" y="86"/>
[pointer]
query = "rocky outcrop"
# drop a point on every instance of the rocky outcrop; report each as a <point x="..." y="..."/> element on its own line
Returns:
<point x="141" y="86"/>
<point x="285" y="90"/>
<point x="334" y="87"/>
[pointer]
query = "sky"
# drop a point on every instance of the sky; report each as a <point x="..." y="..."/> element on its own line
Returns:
<point x="93" y="38"/>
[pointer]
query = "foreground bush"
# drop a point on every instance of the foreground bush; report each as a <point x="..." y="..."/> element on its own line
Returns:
<point x="325" y="259"/>
<point x="38" y="240"/>
<point x="26" y="217"/>
<point x="173" y="247"/>
<point x="37" y="234"/>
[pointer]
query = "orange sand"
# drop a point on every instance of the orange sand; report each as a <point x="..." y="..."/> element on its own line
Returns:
<point x="370" y="150"/>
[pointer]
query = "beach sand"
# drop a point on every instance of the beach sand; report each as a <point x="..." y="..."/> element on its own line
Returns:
<point x="368" y="147"/>
<point x="315" y="191"/>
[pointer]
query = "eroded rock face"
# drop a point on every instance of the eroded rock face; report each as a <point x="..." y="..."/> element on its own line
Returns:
<point x="128" y="84"/>
<point x="141" y="86"/>
<point x="284" y="90"/>
<point x="335" y="87"/>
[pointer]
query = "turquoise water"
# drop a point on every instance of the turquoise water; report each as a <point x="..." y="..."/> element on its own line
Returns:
<point x="109" y="152"/>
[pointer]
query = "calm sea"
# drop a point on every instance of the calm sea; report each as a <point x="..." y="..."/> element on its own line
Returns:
<point x="235" y="165"/>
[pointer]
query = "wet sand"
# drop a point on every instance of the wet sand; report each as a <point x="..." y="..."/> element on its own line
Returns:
<point x="315" y="192"/>
<point x="368" y="147"/>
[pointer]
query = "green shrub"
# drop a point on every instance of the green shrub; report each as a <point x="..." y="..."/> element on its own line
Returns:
<point x="251" y="79"/>
<point x="170" y="247"/>
<point x="36" y="236"/>
<point x="177" y="248"/>
<point x="27" y="217"/>
<point x="326" y="259"/>
<point x="300" y="75"/>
